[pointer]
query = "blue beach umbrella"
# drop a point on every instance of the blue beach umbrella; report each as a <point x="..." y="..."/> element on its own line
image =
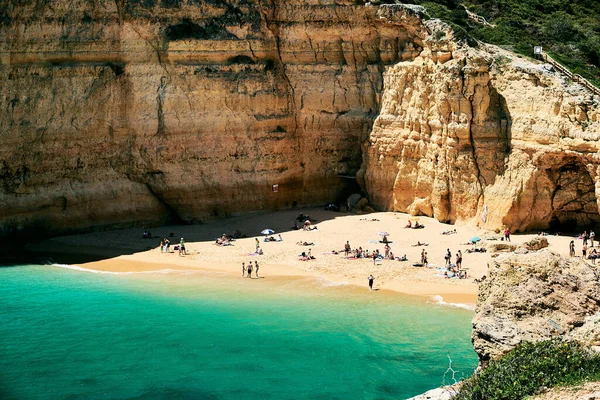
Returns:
<point x="268" y="232"/>
<point x="475" y="239"/>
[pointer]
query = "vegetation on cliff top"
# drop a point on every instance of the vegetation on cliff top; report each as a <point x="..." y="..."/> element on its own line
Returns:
<point x="532" y="366"/>
<point x="568" y="30"/>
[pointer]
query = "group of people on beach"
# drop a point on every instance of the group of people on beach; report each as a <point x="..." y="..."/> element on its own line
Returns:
<point x="375" y="255"/>
<point x="585" y="239"/>
<point x="454" y="270"/>
<point x="247" y="270"/>
<point x="165" y="246"/>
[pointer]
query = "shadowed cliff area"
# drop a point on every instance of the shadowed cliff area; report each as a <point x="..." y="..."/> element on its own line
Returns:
<point x="127" y="113"/>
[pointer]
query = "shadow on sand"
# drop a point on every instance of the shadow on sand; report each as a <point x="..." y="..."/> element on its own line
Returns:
<point x="97" y="246"/>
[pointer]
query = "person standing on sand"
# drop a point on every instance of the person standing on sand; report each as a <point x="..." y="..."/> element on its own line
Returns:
<point x="249" y="269"/>
<point x="592" y="236"/>
<point x="347" y="248"/>
<point x="371" y="279"/>
<point x="256" y="268"/>
<point x="257" y="243"/>
<point x="459" y="259"/>
<point x="448" y="257"/>
<point x="584" y="237"/>
<point x="584" y="250"/>
<point x="162" y="246"/>
<point x="182" y="247"/>
<point x="507" y="234"/>
<point x="572" y="248"/>
<point x="243" y="269"/>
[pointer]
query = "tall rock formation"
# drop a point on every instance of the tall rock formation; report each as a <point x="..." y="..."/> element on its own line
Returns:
<point x="115" y="112"/>
<point x="485" y="136"/>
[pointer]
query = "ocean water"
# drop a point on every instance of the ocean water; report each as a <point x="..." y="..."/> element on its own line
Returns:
<point x="67" y="334"/>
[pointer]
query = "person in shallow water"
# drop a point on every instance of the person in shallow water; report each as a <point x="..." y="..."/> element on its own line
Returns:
<point x="371" y="279"/>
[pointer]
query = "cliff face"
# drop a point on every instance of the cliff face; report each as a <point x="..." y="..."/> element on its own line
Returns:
<point x="119" y="111"/>
<point x="486" y="137"/>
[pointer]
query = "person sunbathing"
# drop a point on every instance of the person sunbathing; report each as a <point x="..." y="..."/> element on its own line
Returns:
<point x="418" y="226"/>
<point x="420" y="244"/>
<point x="305" y="243"/>
<point x="409" y="225"/>
<point x="449" y="232"/>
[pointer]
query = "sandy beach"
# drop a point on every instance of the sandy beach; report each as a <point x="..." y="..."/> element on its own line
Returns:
<point x="127" y="251"/>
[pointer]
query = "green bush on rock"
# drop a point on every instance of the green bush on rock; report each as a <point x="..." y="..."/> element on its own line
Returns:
<point x="532" y="366"/>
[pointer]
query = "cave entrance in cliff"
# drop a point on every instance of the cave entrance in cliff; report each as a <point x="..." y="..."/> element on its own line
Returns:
<point x="350" y="186"/>
<point x="574" y="203"/>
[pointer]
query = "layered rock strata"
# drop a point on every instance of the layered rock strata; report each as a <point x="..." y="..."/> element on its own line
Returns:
<point x="484" y="136"/>
<point x="114" y="112"/>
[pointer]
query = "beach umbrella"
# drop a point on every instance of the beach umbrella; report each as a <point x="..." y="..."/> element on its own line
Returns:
<point x="383" y="234"/>
<point x="475" y="239"/>
<point x="268" y="232"/>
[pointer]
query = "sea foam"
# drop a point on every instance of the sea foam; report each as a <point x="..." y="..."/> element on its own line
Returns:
<point x="437" y="299"/>
<point x="95" y="271"/>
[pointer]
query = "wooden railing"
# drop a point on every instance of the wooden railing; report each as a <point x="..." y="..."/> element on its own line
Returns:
<point x="574" y="77"/>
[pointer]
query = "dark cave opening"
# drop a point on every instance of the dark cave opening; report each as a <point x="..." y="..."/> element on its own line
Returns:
<point x="574" y="203"/>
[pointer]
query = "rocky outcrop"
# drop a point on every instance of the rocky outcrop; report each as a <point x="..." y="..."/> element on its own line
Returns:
<point x="535" y="296"/>
<point x="482" y="135"/>
<point x="115" y="112"/>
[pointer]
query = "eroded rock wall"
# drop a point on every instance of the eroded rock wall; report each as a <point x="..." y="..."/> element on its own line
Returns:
<point x="484" y="136"/>
<point x="535" y="296"/>
<point x="115" y="112"/>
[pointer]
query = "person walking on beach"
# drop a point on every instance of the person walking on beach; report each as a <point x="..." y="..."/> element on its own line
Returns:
<point x="243" y="269"/>
<point x="371" y="279"/>
<point x="182" y="247"/>
<point x="424" y="257"/>
<point x="249" y="269"/>
<point x="572" y="248"/>
<point x="256" y="268"/>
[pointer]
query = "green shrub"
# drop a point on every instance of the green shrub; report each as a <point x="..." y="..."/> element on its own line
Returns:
<point x="529" y="367"/>
<point x="568" y="29"/>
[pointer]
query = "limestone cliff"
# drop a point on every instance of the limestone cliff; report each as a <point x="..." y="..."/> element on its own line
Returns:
<point x="484" y="136"/>
<point x="536" y="296"/>
<point x="115" y="111"/>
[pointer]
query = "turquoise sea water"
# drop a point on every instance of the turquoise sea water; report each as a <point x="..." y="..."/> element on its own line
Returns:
<point x="66" y="334"/>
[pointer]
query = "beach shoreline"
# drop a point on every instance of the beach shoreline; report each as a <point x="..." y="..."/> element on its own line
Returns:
<point x="126" y="251"/>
